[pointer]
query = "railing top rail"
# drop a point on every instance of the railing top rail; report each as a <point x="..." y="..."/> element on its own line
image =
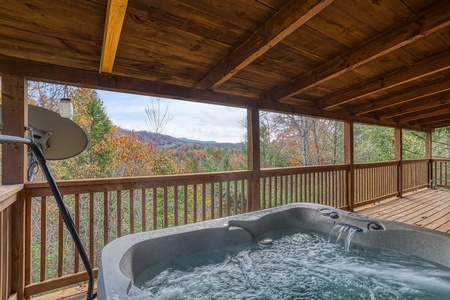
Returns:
<point x="440" y="159"/>
<point x="389" y="163"/>
<point x="301" y="170"/>
<point x="36" y="189"/>
<point x="8" y="194"/>
<point x="417" y="160"/>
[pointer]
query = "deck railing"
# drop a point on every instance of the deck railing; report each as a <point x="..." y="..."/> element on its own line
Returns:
<point x="109" y="208"/>
<point x="441" y="172"/>
<point x="375" y="181"/>
<point x="415" y="174"/>
<point x="317" y="184"/>
<point x="9" y="194"/>
<point x="104" y="209"/>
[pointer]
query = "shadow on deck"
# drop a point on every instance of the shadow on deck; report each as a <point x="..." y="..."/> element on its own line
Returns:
<point x="428" y="208"/>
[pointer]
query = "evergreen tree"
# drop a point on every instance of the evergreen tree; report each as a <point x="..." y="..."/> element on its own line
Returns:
<point x="96" y="160"/>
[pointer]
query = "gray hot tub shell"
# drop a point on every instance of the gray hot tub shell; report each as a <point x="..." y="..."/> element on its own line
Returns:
<point x="124" y="259"/>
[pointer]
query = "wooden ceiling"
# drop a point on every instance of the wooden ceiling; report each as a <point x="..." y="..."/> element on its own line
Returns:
<point x="384" y="62"/>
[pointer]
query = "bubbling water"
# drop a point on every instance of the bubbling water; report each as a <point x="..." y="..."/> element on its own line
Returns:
<point x="298" y="265"/>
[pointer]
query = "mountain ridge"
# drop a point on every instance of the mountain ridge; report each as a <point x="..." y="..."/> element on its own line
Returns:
<point x="169" y="142"/>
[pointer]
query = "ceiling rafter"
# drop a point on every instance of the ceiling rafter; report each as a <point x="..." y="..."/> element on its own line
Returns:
<point x="429" y="66"/>
<point x="115" y="16"/>
<point x="434" y="122"/>
<point x="427" y="22"/>
<point x="416" y="106"/>
<point x="404" y="96"/>
<point x="417" y="118"/>
<point x="288" y="19"/>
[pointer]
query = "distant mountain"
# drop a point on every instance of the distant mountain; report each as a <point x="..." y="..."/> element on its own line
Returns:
<point x="170" y="142"/>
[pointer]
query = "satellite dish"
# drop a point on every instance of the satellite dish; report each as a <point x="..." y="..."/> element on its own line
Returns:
<point x="60" y="138"/>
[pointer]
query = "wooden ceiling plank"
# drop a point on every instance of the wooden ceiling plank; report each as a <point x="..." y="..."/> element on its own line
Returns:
<point x="92" y="79"/>
<point x="290" y="17"/>
<point x="432" y="65"/>
<point x="403" y="96"/>
<point x="416" y="106"/>
<point x="115" y="16"/>
<point x="436" y="122"/>
<point x="427" y="22"/>
<point x="418" y="117"/>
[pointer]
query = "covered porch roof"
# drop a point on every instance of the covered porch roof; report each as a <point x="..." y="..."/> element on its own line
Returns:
<point x="370" y="61"/>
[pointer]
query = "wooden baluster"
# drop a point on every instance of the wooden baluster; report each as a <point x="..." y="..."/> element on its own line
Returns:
<point x="236" y="197"/>
<point x="165" y="221"/>
<point x="91" y="229"/>
<point x="143" y="211"/>
<point x="270" y="192"/>
<point x="105" y="217"/>
<point x="220" y="199"/>
<point x="76" y="267"/>
<point x="119" y="213"/>
<point x="155" y="209"/>
<point x="43" y="237"/>
<point x="195" y="203"/>
<point x="203" y="202"/>
<point x="131" y="211"/>
<point x="228" y="198"/>
<point x="186" y="208"/>
<point x="175" y="204"/>
<point x="60" y="245"/>
<point x="212" y="200"/>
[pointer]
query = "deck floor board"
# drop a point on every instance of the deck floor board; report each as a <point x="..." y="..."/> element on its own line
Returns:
<point x="427" y="208"/>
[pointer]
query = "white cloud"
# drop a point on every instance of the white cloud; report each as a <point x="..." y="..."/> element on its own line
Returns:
<point x="191" y="120"/>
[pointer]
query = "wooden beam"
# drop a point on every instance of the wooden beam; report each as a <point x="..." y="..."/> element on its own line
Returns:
<point x="92" y="79"/>
<point x="115" y="15"/>
<point x="427" y="22"/>
<point x="415" y="106"/>
<point x="349" y="159"/>
<point x="404" y="96"/>
<point x="14" y="119"/>
<point x="398" y="138"/>
<point x="288" y="19"/>
<point x="254" y="157"/>
<point x="431" y="65"/>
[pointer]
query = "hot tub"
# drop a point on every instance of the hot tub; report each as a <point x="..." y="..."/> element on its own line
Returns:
<point x="126" y="258"/>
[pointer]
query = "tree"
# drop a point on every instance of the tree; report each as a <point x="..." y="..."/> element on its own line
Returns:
<point x="130" y="156"/>
<point x="373" y="143"/>
<point x="157" y="116"/>
<point x="96" y="160"/>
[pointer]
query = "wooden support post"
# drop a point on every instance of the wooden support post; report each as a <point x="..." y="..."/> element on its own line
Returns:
<point x="349" y="155"/>
<point x="254" y="155"/>
<point x="14" y="118"/>
<point x="429" y="156"/>
<point x="398" y="138"/>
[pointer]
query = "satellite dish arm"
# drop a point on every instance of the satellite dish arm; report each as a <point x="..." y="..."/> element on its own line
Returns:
<point x="59" y="200"/>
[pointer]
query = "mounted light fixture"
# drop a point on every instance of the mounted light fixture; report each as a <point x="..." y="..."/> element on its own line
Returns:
<point x="65" y="106"/>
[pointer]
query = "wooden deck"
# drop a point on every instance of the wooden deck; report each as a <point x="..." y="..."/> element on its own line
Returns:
<point x="428" y="208"/>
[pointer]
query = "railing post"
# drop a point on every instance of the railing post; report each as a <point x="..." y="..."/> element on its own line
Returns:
<point x="398" y="138"/>
<point x="428" y="156"/>
<point x="254" y="162"/>
<point x="14" y="118"/>
<point x="349" y="160"/>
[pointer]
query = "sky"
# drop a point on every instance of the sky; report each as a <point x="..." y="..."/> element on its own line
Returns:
<point x="198" y="121"/>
